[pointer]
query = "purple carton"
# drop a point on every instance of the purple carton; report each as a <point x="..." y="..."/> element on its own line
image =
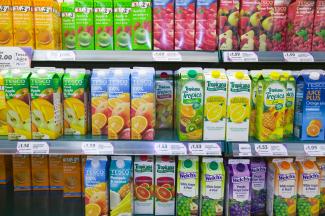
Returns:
<point x="258" y="193"/>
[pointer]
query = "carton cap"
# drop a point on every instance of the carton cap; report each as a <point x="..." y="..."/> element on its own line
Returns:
<point x="215" y="74"/>
<point x="314" y="76"/>
<point x="74" y="73"/>
<point x="15" y="72"/>
<point x="274" y="75"/>
<point x="42" y="72"/>
<point x="192" y="73"/>
<point x="239" y="75"/>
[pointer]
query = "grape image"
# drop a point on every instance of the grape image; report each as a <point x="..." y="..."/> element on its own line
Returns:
<point x="237" y="208"/>
<point x="208" y="207"/>
<point x="258" y="200"/>
<point x="304" y="208"/>
<point x="184" y="206"/>
<point x="280" y="206"/>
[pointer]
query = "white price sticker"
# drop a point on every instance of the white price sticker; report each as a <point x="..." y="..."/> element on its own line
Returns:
<point x="15" y="57"/>
<point x="97" y="148"/>
<point x="204" y="149"/>
<point x="166" y="56"/>
<point x="314" y="150"/>
<point x="61" y="55"/>
<point x="32" y="148"/>
<point x="298" y="57"/>
<point x="238" y="56"/>
<point x="267" y="149"/>
<point x="244" y="149"/>
<point x="170" y="149"/>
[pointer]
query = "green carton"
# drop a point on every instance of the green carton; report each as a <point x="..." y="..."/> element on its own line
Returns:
<point x="122" y="25"/>
<point x="84" y="24"/>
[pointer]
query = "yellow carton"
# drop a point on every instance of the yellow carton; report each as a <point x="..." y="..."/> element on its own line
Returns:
<point x="56" y="172"/>
<point x="6" y="36"/>
<point x="71" y="176"/>
<point x="5" y="169"/>
<point x="22" y="172"/>
<point x="40" y="172"/>
<point x="3" y="105"/>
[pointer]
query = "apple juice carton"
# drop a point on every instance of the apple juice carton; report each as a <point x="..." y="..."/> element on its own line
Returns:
<point x="103" y="22"/>
<point x="84" y="19"/>
<point x="18" y="104"/>
<point x="321" y="166"/>
<point x="68" y="25"/>
<point x="71" y="176"/>
<point x="266" y="28"/>
<point x="6" y="25"/>
<point x="21" y="166"/>
<point x="143" y="106"/>
<point x="254" y="75"/>
<point x="165" y="169"/>
<point x="290" y="104"/>
<point x="123" y="25"/>
<point x="239" y="186"/>
<point x="187" y="199"/>
<point x="212" y="186"/>
<point x="56" y="172"/>
<point x="5" y="169"/>
<point x="144" y="185"/>
<point x="96" y="185"/>
<point x="319" y="27"/>
<point x="3" y="104"/>
<point x="280" y="25"/>
<point x="121" y="196"/>
<point x="215" y="104"/>
<point x="258" y="168"/>
<point x="189" y="106"/>
<point x="227" y="25"/>
<point x="40" y="172"/>
<point x="238" y="103"/>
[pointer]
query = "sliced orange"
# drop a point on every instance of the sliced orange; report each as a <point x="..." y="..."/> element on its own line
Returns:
<point x="135" y="135"/>
<point x="112" y="102"/>
<point x="136" y="102"/>
<point x="115" y="123"/>
<point x="92" y="209"/>
<point x="313" y="130"/>
<point x="125" y="97"/>
<point x="187" y="111"/>
<point x="139" y="124"/>
<point x="112" y="135"/>
<point x="98" y="120"/>
<point x="149" y="97"/>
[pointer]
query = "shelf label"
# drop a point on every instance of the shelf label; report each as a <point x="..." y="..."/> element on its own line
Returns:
<point x="61" y="55"/>
<point x="298" y="57"/>
<point x="244" y="149"/>
<point x="268" y="149"/>
<point x="170" y="149"/>
<point x="166" y="56"/>
<point x="15" y="57"/>
<point x="314" y="150"/>
<point x="235" y="56"/>
<point x="32" y="148"/>
<point x="97" y="148"/>
<point x="204" y="149"/>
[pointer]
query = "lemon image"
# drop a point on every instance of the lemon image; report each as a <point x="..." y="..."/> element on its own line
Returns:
<point x="214" y="112"/>
<point x="238" y="112"/>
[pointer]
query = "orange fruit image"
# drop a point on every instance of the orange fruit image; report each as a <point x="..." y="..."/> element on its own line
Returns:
<point x="99" y="120"/>
<point x="115" y="123"/>
<point x="141" y="193"/>
<point x="135" y="135"/>
<point x="163" y="194"/>
<point x="149" y="97"/>
<point x="313" y="130"/>
<point x="316" y="122"/>
<point x="44" y="37"/>
<point x="188" y="111"/>
<point x="139" y="124"/>
<point x="4" y="36"/>
<point x="92" y="210"/>
<point x="22" y="36"/>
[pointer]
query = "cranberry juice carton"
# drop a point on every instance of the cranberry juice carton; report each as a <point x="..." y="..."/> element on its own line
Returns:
<point x="266" y="16"/>
<point x="319" y="27"/>
<point x="321" y="166"/>
<point x="21" y="166"/>
<point x="280" y="25"/>
<point x="123" y="25"/>
<point x="258" y="168"/>
<point x="40" y="172"/>
<point x="56" y="172"/>
<point x="84" y="24"/>
<point x="6" y="24"/>
<point x="72" y="176"/>
<point x="68" y="26"/>
<point x="103" y="24"/>
<point x="228" y="17"/>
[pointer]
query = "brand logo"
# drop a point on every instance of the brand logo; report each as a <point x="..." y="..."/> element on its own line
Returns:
<point x="4" y="8"/>
<point x="15" y="81"/>
<point x="68" y="14"/>
<point x="316" y="85"/>
<point x="73" y="82"/>
<point x="103" y="10"/>
<point x="121" y="172"/>
<point x="258" y="169"/>
<point x="310" y="176"/>
<point x="84" y="10"/>
<point x="141" y="4"/>
<point x="165" y="169"/>
<point x="122" y="10"/>
<point x="40" y="81"/>
<point x="99" y="82"/>
<point x="192" y="93"/>
<point x="143" y="168"/>
<point x="187" y="175"/>
<point x="239" y="87"/>
<point x="118" y="82"/>
<point x="241" y="179"/>
<point x="274" y="93"/>
<point x="286" y="177"/>
<point x="210" y="178"/>
<point x="215" y="86"/>
<point x="95" y="172"/>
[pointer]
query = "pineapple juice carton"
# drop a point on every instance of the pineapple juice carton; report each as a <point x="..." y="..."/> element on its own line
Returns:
<point x="18" y="104"/>
<point x="290" y="104"/>
<point x="215" y="104"/>
<point x="3" y="104"/>
<point x="5" y="169"/>
<point x="72" y="176"/>
<point x="56" y="172"/>
<point x="189" y="106"/>
<point x="21" y="167"/>
<point x="68" y="26"/>
<point x="6" y="25"/>
<point x="321" y="166"/>
<point x="238" y="103"/>
<point x="254" y="75"/>
<point x="40" y="172"/>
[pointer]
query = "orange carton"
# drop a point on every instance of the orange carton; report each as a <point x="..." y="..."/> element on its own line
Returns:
<point x="6" y="36"/>
<point x="71" y="176"/>
<point x="40" y="172"/>
<point x="5" y="169"/>
<point x="56" y="172"/>
<point x="21" y="172"/>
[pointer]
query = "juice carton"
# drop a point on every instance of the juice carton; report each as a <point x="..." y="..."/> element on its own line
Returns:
<point x="6" y="25"/>
<point x="184" y="25"/>
<point x="60" y="73"/>
<point x="83" y="165"/>
<point x="57" y="25"/>
<point x="212" y="186"/>
<point x="227" y="30"/>
<point x="163" y="24"/>
<point x="254" y="75"/>
<point x="215" y="104"/>
<point x="119" y="103"/>
<point x="120" y="173"/>
<point x="308" y="199"/>
<point x="165" y="168"/>
<point x="21" y="167"/>
<point x="96" y="185"/>
<point x="103" y="14"/>
<point x="68" y="26"/>
<point x="310" y="111"/>
<point x="144" y="185"/>
<point x="187" y="186"/>
<point x="40" y="172"/>
<point x="189" y="106"/>
<point x="300" y="25"/>
<point x="321" y="166"/>
<point x="238" y="103"/>
<point x="249" y="24"/>
<point x="239" y="185"/>
<point x="99" y="101"/>
<point x="3" y="104"/>
<point x="266" y="28"/>
<point x="280" y="25"/>
<point x="282" y="179"/>
<point x="271" y="104"/>
<point x="206" y="25"/>
<point x="258" y="168"/>
<point x="143" y="106"/>
<point x="164" y="99"/>
<point x="123" y="25"/>
<point x="84" y="24"/>
<point x="319" y="26"/>
<point x="56" y="172"/>
<point x="5" y="169"/>
<point x="75" y="85"/>
<point x="141" y="24"/>
<point x="71" y="176"/>
<point x="290" y="104"/>
<point x="23" y="22"/>
<point x="18" y="104"/>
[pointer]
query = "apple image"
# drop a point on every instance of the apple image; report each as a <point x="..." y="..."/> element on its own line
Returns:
<point x="104" y="39"/>
<point x="79" y="94"/>
<point x="38" y="119"/>
<point x="22" y="94"/>
<point x="255" y="19"/>
<point x="70" y="41"/>
<point x="84" y="39"/>
<point x="123" y="39"/>
<point x="47" y="94"/>
<point x="13" y="119"/>
<point x="233" y="18"/>
<point x="69" y="115"/>
<point x="141" y="36"/>
<point x="267" y="24"/>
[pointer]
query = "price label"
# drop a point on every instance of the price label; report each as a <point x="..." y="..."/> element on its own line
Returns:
<point x="233" y="56"/>
<point x="166" y="56"/>
<point x="298" y="57"/>
<point x="33" y="148"/>
<point x="244" y="149"/>
<point x="170" y="149"/>
<point x="204" y="149"/>
<point x="15" y="57"/>
<point x="314" y="150"/>
<point x="97" y="148"/>
<point x="61" y="55"/>
<point x="267" y="149"/>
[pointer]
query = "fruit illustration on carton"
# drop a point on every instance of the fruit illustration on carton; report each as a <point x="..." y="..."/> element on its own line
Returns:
<point x="280" y="25"/>
<point x="319" y="27"/>
<point x="266" y="28"/>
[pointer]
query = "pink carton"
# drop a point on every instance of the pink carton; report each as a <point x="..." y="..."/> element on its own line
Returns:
<point x="280" y="25"/>
<point x="265" y="38"/>
<point x="319" y="27"/>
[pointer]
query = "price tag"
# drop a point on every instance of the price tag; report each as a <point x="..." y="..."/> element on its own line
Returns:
<point x="244" y="149"/>
<point x="33" y="148"/>
<point x="314" y="150"/>
<point x="41" y="148"/>
<point x="166" y="56"/>
<point x="204" y="149"/>
<point x="24" y="148"/>
<point x="170" y="149"/>
<point x="267" y="149"/>
<point x="15" y="57"/>
<point x="97" y="148"/>
<point x="61" y="55"/>
<point x="105" y="148"/>
<point x="238" y="56"/>
<point x="298" y="57"/>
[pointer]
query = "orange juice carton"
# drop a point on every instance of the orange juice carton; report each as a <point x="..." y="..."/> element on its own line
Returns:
<point x="5" y="169"/>
<point x="290" y="104"/>
<point x="68" y="26"/>
<point x="3" y="104"/>
<point x="83" y="165"/>
<point x="84" y="22"/>
<point x="21" y="167"/>
<point x="56" y="172"/>
<point x="40" y="172"/>
<point x="71" y="176"/>
<point x="119" y="103"/>
<point x="143" y="114"/>
<point x="6" y="25"/>
<point x="321" y="166"/>
<point x="282" y="180"/>
<point x="23" y="22"/>
<point x="144" y="185"/>
<point x="96" y="186"/>
<point x="254" y="75"/>
<point x="18" y="104"/>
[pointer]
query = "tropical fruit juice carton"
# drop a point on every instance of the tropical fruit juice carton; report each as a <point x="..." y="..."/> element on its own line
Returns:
<point x="258" y="168"/>
<point x="321" y="166"/>
<point x="144" y="185"/>
<point x="68" y="25"/>
<point x="3" y="103"/>
<point x="215" y="104"/>
<point x="189" y="106"/>
<point x="121" y="196"/>
<point x="212" y="186"/>
<point x="75" y="85"/>
<point x="290" y="104"/>
<point x="84" y="24"/>
<point x="238" y="103"/>
<point x="6" y="25"/>
<point x="165" y="174"/>
<point x="21" y="167"/>
<point x="266" y="21"/>
<point x="282" y="179"/>
<point x="103" y="22"/>
<point x="56" y="172"/>
<point x="254" y="75"/>
<point x="280" y="25"/>
<point x="123" y="25"/>
<point x="71" y="176"/>
<point x="143" y="106"/>
<point x="96" y="186"/>
<point x="227" y="25"/>
<point x="5" y="169"/>
<point x="40" y="172"/>
<point x="18" y="104"/>
<point x="319" y="26"/>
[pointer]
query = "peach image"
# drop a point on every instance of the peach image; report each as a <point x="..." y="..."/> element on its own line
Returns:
<point x="22" y="36"/>
<point x="4" y="36"/>
<point x="44" y="37"/>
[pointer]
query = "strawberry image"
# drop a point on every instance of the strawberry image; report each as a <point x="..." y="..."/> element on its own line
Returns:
<point x="109" y="29"/>
<point x="66" y="33"/>
<point x="136" y="25"/>
<point x="119" y="29"/>
<point x="222" y="21"/>
<point x="80" y="29"/>
<point x="99" y="30"/>
<point x="127" y="29"/>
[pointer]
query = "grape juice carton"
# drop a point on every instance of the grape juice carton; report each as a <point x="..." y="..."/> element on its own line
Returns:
<point x="266" y="25"/>
<point x="144" y="185"/>
<point x="18" y="104"/>
<point x="40" y="172"/>
<point x="258" y="168"/>
<point x="143" y="106"/>
<point x="206" y="25"/>
<point x="238" y="103"/>
<point x="21" y="167"/>
<point x="103" y="23"/>
<point x="121" y="191"/>
<point x="215" y="104"/>
<point x="5" y="169"/>
<point x="71" y="176"/>
<point x="254" y="75"/>
<point x="319" y="26"/>
<point x="3" y="104"/>
<point x="280" y="25"/>
<point x="282" y="179"/>
<point x="189" y="106"/>
<point x="165" y="173"/>
<point x="68" y="26"/>
<point x="96" y="185"/>
<point x="212" y="186"/>
<point x="321" y="166"/>
<point x="187" y="198"/>
<point x="227" y="25"/>
<point x="84" y="19"/>
<point x="56" y="172"/>
<point x="290" y="104"/>
<point x="6" y="25"/>
<point x="123" y="25"/>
